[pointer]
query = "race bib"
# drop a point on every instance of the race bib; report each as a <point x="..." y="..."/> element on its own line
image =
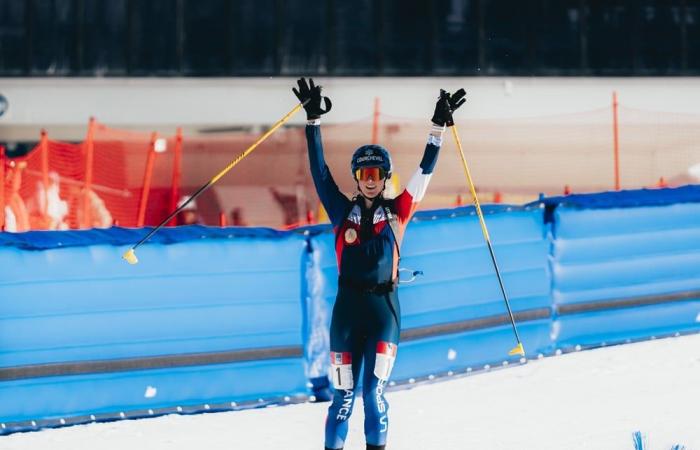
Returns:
<point x="341" y="366"/>
<point x="386" y="355"/>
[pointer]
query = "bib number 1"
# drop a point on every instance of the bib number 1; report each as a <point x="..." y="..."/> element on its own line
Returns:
<point x="341" y="366"/>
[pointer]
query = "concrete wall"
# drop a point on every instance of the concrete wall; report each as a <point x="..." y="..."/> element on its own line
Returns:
<point x="63" y="105"/>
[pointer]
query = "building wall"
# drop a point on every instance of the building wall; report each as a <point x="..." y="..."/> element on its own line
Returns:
<point x="63" y="105"/>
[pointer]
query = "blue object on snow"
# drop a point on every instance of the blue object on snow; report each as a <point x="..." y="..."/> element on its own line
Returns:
<point x="640" y="440"/>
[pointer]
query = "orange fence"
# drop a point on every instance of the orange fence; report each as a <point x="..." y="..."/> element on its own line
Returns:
<point x="134" y="178"/>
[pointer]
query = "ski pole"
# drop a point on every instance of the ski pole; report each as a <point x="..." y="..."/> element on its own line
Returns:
<point x="518" y="349"/>
<point x="130" y="256"/>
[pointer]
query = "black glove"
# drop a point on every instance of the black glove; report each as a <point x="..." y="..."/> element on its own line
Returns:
<point x="312" y="93"/>
<point x="446" y="105"/>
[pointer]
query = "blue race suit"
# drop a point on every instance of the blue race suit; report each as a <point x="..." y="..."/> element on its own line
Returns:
<point x="365" y="324"/>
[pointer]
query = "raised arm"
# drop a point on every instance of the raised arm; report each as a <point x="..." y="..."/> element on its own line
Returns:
<point x="407" y="201"/>
<point x="335" y="203"/>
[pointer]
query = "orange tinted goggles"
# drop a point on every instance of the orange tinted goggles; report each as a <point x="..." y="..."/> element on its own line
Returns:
<point x="367" y="173"/>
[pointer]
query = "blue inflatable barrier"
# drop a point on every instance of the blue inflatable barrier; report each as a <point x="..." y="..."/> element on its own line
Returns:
<point x="225" y="318"/>
<point x="453" y="315"/>
<point x="206" y="317"/>
<point x="321" y="272"/>
<point x="625" y="273"/>
<point x="160" y="390"/>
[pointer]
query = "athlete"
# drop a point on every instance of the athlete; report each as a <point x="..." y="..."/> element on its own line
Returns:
<point x="366" y="318"/>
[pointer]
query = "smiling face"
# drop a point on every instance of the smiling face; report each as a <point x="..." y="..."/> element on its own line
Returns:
<point x="371" y="182"/>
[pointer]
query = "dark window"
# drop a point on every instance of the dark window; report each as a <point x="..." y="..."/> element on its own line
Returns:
<point x="54" y="31"/>
<point x="509" y="36"/>
<point x="659" y="46"/>
<point x="692" y="24"/>
<point x="12" y="37"/>
<point x="153" y="37"/>
<point x="406" y="37"/>
<point x="207" y="48"/>
<point x="104" y="37"/>
<point x="254" y="42"/>
<point x="456" y="37"/>
<point x="611" y="34"/>
<point x="358" y="37"/>
<point x="354" y="48"/>
<point x="557" y="26"/>
<point x="303" y="39"/>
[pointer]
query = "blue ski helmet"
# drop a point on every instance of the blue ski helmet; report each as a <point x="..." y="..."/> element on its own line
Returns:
<point x="371" y="156"/>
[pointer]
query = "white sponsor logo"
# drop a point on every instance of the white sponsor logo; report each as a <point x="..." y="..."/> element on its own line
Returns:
<point x="344" y="411"/>
<point x="381" y="406"/>
<point x="362" y="159"/>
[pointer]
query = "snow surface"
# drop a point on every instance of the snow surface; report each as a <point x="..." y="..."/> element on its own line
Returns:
<point x="588" y="400"/>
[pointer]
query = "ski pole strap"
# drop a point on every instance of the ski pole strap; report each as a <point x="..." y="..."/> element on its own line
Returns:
<point x="414" y="274"/>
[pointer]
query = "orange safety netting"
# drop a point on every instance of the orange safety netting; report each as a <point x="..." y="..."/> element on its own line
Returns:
<point x="46" y="186"/>
<point x="117" y="176"/>
<point x="120" y="158"/>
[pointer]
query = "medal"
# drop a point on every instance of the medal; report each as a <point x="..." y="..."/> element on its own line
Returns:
<point x="350" y="235"/>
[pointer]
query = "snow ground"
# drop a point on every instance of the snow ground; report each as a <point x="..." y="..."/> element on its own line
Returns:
<point x="588" y="400"/>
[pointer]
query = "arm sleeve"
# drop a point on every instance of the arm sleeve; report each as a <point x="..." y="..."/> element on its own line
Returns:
<point x="407" y="201"/>
<point x="335" y="203"/>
